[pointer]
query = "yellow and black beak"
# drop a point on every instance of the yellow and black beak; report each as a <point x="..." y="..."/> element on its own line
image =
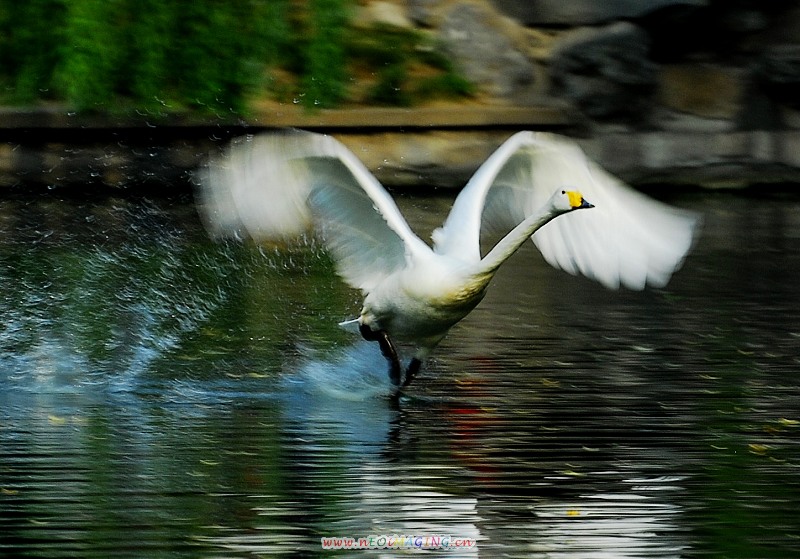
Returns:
<point x="577" y="201"/>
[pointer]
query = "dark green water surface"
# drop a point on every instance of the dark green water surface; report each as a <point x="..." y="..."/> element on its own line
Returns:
<point x="164" y="396"/>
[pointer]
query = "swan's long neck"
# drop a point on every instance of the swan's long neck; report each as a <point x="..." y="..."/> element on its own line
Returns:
<point x="515" y="238"/>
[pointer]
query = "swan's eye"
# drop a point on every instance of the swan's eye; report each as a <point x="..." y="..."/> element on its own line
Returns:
<point x="563" y="192"/>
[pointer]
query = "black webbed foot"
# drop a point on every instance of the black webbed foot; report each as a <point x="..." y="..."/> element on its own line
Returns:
<point x="411" y="371"/>
<point x="387" y="349"/>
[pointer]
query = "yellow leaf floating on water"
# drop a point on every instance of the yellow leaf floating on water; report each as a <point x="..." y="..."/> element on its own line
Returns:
<point x="573" y="473"/>
<point x="56" y="420"/>
<point x="758" y="448"/>
<point x="573" y="512"/>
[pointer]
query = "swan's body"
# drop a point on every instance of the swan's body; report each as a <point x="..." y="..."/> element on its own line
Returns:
<point x="424" y="300"/>
<point x="277" y="185"/>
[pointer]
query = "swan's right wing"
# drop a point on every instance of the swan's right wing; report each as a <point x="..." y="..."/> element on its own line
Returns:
<point x="626" y="239"/>
<point x="276" y="186"/>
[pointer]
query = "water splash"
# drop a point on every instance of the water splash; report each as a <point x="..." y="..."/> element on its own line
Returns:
<point x="102" y="300"/>
<point x="355" y="373"/>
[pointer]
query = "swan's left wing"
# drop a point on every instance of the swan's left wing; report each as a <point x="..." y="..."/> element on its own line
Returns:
<point x="252" y="191"/>
<point x="358" y="220"/>
<point x="627" y="239"/>
<point x="276" y="186"/>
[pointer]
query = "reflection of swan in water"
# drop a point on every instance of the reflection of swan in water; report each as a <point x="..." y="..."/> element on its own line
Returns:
<point x="274" y="186"/>
<point x="640" y="519"/>
<point x="343" y="478"/>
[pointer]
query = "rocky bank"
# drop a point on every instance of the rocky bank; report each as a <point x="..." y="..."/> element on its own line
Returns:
<point x="687" y="91"/>
<point x="691" y="91"/>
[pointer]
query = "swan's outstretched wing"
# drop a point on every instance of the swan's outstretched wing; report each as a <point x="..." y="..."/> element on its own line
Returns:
<point x="253" y="191"/>
<point x="276" y="186"/>
<point x="627" y="239"/>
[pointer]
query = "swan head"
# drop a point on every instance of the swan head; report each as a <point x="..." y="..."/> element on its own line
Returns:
<point x="564" y="200"/>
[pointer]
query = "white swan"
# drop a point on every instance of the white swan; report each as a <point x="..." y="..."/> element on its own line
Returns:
<point x="277" y="186"/>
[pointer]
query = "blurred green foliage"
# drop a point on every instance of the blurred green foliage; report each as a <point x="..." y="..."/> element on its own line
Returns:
<point x="324" y="76"/>
<point x="98" y="54"/>
<point x="167" y="56"/>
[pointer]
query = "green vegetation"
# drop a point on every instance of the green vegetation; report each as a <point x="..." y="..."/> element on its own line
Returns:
<point x="167" y="56"/>
<point x="324" y="72"/>
<point x="404" y="68"/>
<point x="113" y="54"/>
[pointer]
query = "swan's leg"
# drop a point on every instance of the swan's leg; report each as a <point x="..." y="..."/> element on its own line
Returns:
<point x="387" y="349"/>
<point x="411" y="372"/>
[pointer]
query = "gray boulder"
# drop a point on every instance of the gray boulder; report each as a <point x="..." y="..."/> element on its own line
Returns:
<point x="584" y="12"/>
<point x="779" y="74"/>
<point x="605" y="72"/>
<point x="423" y="12"/>
<point x="478" y="42"/>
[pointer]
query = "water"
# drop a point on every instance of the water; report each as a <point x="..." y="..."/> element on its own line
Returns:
<point x="162" y="396"/>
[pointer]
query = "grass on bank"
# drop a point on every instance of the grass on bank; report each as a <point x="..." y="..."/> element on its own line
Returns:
<point x="173" y="56"/>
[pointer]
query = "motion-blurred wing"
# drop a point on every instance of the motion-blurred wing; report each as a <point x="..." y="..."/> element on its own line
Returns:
<point x="274" y="186"/>
<point x="627" y="239"/>
<point x="253" y="190"/>
<point x="358" y="220"/>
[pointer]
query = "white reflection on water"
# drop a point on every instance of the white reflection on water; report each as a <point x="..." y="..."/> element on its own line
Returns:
<point x="606" y="526"/>
<point x="338" y="418"/>
<point x="395" y="510"/>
